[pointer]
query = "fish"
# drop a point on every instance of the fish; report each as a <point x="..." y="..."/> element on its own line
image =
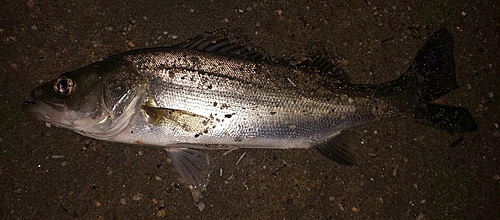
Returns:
<point x="212" y="93"/>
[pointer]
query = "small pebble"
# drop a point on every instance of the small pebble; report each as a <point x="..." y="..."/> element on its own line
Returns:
<point x="381" y="200"/>
<point x="496" y="134"/>
<point x="161" y="213"/>
<point x="496" y="177"/>
<point x="201" y="206"/>
<point x="355" y="209"/>
<point x="123" y="201"/>
<point x="137" y="197"/>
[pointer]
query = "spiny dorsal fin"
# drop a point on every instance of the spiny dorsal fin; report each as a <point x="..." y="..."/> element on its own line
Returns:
<point x="222" y="46"/>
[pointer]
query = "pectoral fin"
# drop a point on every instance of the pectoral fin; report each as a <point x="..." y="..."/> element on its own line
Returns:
<point x="188" y="121"/>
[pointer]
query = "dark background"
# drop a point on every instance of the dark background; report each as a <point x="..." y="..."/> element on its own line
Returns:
<point x="405" y="170"/>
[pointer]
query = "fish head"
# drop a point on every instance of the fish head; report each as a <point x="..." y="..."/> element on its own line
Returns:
<point x="98" y="100"/>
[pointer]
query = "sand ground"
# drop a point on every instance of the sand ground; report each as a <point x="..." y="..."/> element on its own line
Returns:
<point x="405" y="170"/>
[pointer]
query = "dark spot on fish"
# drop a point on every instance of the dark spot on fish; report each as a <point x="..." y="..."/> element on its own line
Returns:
<point x="182" y="77"/>
<point x="257" y="68"/>
<point x="215" y="104"/>
<point x="131" y="132"/>
<point x="241" y="69"/>
<point x="238" y="139"/>
<point x="228" y="116"/>
<point x="194" y="60"/>
<point x="209" y="86"/>
<point x="196" y="135"/>
<point x="205" y="131"/>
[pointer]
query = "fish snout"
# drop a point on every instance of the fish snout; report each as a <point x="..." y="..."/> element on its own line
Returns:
<point x="36" y="93"/>
<point x="27" y="104"/>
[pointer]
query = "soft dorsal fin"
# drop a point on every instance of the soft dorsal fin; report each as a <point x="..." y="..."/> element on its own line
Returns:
<point x="327" y="65"/>
<point x="222" y="46"/>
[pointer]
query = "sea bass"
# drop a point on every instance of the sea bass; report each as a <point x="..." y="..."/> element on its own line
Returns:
<point x="210" y="93"/>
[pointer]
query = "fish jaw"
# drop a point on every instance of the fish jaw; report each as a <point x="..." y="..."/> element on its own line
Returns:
<point x="54" y="114"/>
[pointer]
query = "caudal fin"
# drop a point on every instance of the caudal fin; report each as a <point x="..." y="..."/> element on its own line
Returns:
<point x="431" y="75"/>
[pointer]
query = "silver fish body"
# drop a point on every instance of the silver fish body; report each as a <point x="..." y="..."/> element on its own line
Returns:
<point x="215" y="99"/>
<point x="199" y="95"/>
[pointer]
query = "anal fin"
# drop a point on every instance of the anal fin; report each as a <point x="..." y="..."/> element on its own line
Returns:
<point x="338" y="148"/>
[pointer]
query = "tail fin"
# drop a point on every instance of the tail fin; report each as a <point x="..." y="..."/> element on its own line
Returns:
<point x="431" y="75"/>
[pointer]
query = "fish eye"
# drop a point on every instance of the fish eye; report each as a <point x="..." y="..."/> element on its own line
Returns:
<point x="64" y="86"/>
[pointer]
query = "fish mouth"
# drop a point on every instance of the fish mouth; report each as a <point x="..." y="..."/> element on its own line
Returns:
<point x="48" y="112"/>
